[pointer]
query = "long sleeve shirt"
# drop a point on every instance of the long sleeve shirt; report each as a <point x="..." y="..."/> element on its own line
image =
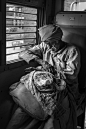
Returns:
<point x="66" y="61"/>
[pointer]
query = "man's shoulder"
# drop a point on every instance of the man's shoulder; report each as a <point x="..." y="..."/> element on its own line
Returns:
<point x="72" y="48"/>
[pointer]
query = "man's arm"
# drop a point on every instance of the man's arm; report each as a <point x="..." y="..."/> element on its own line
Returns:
<point x="32" y="53"/>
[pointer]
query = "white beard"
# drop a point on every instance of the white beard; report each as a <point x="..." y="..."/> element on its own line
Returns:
<point x="54" y="49"/>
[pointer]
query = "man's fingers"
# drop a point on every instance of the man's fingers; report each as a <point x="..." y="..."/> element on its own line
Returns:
<point x="29" y="69"/>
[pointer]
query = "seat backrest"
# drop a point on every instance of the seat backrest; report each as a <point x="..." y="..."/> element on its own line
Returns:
<point x="73" y="36"/>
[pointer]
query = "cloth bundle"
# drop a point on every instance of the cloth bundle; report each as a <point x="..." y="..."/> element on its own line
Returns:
<point x="43" y="87"/>
<point x="37" y="93"/>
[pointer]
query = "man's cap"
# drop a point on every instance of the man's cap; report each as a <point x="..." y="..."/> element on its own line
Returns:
<point x="47" y="31"/>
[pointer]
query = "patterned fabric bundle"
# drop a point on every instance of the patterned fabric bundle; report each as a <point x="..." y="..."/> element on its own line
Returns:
<point x="42" y="86"/>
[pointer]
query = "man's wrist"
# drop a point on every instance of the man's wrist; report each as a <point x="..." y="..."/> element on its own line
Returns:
<point x="38" y="60"/>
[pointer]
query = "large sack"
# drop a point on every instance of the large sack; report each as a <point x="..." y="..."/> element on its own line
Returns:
<point x="27" y="101"/>
<point x="37" y="93"/>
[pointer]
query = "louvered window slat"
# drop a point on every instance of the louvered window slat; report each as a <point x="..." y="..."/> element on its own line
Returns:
<point x="21" y="27"/>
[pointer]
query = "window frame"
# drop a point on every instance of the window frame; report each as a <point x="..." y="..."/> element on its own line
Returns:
<point x="20" y="35"/>
<point x="3" y="65"/>
<point x="71" y="11"/>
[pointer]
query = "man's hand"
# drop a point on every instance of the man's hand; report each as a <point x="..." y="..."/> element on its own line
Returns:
<point x="28" y="70"/>
<point x="46" y="66"/>
<point x="60" y="84"/>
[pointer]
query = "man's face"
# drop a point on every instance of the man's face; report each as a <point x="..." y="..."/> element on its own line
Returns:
<point x="54" y="45"/>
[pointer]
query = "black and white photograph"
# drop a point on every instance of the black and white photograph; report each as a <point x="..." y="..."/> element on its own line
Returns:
<point x="43" y="64"/>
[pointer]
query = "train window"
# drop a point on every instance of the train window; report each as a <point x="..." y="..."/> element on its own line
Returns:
<point x="21" y="26"/>
<point x="74" y="5"/>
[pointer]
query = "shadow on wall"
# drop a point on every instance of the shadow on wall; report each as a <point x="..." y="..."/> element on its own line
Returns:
<point x="78" y="38"/>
